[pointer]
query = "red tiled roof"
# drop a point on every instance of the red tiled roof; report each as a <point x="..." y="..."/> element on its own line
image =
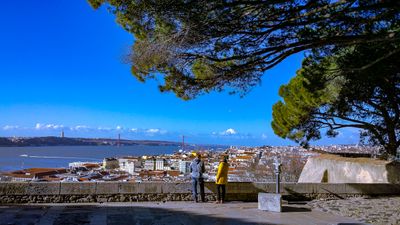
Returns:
<point x="42" y="170"/>
<point x="91" y="165"/>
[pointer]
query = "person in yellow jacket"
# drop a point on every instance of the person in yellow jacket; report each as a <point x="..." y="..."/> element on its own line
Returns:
<point x="222" y="179"/>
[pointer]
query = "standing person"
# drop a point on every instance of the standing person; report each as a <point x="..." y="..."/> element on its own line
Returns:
<point x="197" y="169"/>
<point x="222" y="179"/>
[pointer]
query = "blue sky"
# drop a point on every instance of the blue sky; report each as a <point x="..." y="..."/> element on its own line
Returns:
<point x="62" y="69"/>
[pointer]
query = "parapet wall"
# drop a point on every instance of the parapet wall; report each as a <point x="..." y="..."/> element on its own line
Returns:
<point x="15" y="193"/>
<point x="335" y="169"/>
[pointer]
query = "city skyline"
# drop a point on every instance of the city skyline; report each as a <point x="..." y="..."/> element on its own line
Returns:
<point x="63" y="72"/>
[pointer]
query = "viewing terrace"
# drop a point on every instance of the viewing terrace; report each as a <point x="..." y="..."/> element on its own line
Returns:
<point x="170" y="203"/>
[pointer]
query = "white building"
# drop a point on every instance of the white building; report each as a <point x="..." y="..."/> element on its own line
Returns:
<point x="160" y="164"/>
<point x="184" y="166"/>
<point x="129" y="164"/>
<point x="128" y="167"/>
<point x="149" y="164"/>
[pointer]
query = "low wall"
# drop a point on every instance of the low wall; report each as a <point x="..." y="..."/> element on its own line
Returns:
<point x="14" y="192"/>
<point x="328" y="168"/>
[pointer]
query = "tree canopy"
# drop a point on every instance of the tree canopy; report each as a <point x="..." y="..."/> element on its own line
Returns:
<point x="204" y="45"/>
<point x="357" y="87"/>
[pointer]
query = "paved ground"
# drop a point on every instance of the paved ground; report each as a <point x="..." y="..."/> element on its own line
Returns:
<point x="382" y="211"/>
<point x="163" y="213"/>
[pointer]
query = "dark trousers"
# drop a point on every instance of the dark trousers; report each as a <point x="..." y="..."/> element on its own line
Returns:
<point x="200" y="182"/>
<point x="221" y="192"/>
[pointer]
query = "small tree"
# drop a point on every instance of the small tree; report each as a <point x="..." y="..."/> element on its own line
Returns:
<point x="358" y="87"/>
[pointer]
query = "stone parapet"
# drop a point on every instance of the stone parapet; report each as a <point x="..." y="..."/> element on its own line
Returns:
<point x="18" y="192"/>
<point x="336" y="169"/>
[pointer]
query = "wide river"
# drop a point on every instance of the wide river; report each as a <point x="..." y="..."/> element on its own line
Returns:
<point x="16" y="158"/>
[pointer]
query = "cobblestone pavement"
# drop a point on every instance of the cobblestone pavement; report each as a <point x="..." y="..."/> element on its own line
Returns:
<point x="368" y="210"/>
<point x="163" y="213"/>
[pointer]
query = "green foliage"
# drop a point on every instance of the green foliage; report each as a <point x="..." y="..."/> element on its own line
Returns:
<point x="208" y="45"/>
<point x="301" y="99"/>
<point x="201" y="70"/>
<point x="356" y="87"/>
<point x="96" y="3"/>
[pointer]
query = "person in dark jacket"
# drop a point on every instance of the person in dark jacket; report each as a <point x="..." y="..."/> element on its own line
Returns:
<point x="196" y="170"/>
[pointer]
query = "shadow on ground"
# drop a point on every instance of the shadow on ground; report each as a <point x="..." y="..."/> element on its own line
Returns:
<point x="109" y="215"/>
<point x="295" y="209"/>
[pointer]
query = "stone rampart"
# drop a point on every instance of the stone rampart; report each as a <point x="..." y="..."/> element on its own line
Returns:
<point x="336" y="169"/>
<point x="15" y="192"/>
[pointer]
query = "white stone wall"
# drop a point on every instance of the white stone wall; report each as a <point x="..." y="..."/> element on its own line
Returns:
<point x="335" y="169"/>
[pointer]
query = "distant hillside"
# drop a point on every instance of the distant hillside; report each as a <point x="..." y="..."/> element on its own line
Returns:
<point x="58" y="141"/>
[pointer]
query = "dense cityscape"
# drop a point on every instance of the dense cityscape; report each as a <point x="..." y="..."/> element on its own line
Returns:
<point x="246" y="164"/>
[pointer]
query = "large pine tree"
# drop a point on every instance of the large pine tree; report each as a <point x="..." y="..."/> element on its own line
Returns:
<point x="197" y="46"/>
<point x="358" y="87"/>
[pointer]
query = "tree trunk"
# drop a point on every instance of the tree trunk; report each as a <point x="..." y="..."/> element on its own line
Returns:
<point x="391" y="148"/>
